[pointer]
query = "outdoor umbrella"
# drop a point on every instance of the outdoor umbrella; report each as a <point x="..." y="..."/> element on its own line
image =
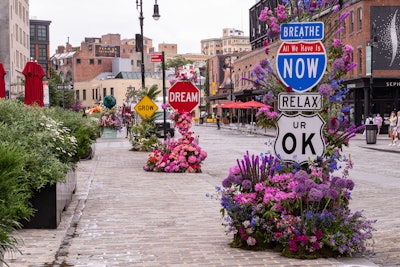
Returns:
<point x="33" y="84"/>
<point x="2" y="83"/>
<point x="252" y="105"/>
<point x="230" y="105"/>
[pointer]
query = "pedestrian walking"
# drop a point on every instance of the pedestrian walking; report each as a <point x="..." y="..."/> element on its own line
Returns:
<point x="378" y="121"/>
<point x="393" y="128"/>
<point x="218" y="123"/>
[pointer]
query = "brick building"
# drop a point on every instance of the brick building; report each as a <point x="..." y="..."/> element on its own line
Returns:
<point x="372" y="29"/>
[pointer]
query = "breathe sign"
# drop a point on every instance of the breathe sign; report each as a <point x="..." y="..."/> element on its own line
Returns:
<point x="302" y="31"/>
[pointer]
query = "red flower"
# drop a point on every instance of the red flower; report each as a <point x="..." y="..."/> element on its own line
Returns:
<point x="289" y="89"/>
<point x="318" y="234"/>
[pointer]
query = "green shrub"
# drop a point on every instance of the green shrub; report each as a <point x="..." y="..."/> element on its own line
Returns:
<point x="14" y="195"/>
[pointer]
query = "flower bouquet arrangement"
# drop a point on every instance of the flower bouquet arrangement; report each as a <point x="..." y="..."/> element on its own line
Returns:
<point x="182" y="155"/>
<point x="110" y="119"/>
<point x="188" y="75"/>
<point x="299" y="209"/>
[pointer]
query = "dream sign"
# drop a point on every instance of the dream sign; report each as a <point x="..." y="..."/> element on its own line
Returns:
<point x="301" y="65"/>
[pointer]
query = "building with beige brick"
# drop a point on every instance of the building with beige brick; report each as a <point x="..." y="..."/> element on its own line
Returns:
<point x="14" y="44"/>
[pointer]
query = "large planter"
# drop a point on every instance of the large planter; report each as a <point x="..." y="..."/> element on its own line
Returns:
<point x="50" y="202"/>
<point x="109" y="133"/>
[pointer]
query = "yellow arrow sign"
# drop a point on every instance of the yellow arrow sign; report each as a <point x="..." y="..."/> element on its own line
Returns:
<point x="146" y="107"/>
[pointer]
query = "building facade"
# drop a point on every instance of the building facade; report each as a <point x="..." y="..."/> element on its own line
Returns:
<point x="14" y="43"/>
<point x="232" y="41"/>
<point x="39" y="31"/>
<point x="372" y="29"/>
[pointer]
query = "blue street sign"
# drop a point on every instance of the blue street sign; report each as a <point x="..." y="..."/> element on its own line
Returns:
<point x="306" y="31"/>
<point x="301" y="65"/>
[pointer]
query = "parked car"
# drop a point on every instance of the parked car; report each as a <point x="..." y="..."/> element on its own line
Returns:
<point x="170" y="129"/>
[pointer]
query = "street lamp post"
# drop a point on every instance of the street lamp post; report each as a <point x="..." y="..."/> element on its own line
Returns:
<point x="156" y="16"/>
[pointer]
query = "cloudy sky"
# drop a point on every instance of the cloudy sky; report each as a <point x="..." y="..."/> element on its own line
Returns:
<point x="182" y="22"/>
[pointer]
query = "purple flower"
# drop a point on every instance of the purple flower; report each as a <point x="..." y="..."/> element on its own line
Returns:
<point x="246" y="184"/>
<point x="336" y="43"/>
<point x="300" y="190"/>
<point x="315" y="195"/>
<point x="349" y="184"/>
<point x="226" y="183"/>
<point x="338" y="64"/>
<point x="332" y="194"/>
<point x="267" y="98"/>
<point x="325" y="90"/>
<point x="301" y="176"/>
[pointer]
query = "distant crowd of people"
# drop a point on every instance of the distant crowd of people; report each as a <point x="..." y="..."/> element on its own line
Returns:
<point x="393" y="127"/>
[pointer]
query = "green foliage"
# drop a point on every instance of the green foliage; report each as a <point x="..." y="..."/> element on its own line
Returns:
<point x="14" y="195"/>
<point x="177" y="61"/>
<point x="85" y="130"/>
<point x="143" y="136"/>
<point x="58" y="98"/>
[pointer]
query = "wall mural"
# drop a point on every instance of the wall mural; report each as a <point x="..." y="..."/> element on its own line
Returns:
<point x="385" y="27"/>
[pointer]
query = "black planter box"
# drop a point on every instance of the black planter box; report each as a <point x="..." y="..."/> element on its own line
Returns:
<point x="50" y="202"/>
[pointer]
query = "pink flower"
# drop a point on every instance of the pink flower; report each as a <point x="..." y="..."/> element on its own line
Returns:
<point x="251" y="241"/>
<point x="192" y="159"/>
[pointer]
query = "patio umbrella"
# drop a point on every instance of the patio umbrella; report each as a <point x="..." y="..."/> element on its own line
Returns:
<point x="33" y="84"/>
<point x="2" y="83"/>
<point x="252" y="105"/>
<point x="230" y="105"/>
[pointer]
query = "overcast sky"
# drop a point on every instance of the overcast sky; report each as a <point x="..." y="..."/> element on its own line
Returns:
<point x="184" y="22"/>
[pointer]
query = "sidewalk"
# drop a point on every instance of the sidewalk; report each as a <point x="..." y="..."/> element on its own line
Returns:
<point x="121" y="215"/>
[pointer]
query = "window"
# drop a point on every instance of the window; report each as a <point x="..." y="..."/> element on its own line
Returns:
<point x="32" y="51"/>
<point x="104" y="92"/>
<point x="112" y="91"/>
<point x="84" y="94"/>
<point x="352" y="70"/>
<point x="360" y="61"/>
<point x="351" y="22"/>
<point x="78" y="61"/>
<point x="32" y="31"/>
<point x="359" y="19"/>
<point x="77" y="94"/>
<point x="93" y="94"/>
<point x="42" y="52"/>
<point x="99" y="62"/>
<point x="138" y="63"/>
<point x="41" y="33"/>
<point x="344" y="28"/>
<point x="91" y="61"/>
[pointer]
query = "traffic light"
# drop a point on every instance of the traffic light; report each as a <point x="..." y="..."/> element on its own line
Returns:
<point x="139" y="42"/>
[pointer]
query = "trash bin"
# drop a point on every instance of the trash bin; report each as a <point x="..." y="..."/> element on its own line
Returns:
<point x="371" y="130"/>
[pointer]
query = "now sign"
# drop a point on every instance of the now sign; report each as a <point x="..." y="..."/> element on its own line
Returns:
<point x="301" y="65"/>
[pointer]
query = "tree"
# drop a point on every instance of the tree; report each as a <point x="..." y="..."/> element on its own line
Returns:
<point x="177" y="62"/>
<point x="59" y="98"/>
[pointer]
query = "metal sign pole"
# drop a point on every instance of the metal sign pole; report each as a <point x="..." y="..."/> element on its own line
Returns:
<point x="164" y="95"/>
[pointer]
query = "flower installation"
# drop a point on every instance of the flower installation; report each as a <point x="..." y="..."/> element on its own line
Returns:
<point x="184" y="154"/>
<point x="110" y="119"/>
<point x="300" y="210"/>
